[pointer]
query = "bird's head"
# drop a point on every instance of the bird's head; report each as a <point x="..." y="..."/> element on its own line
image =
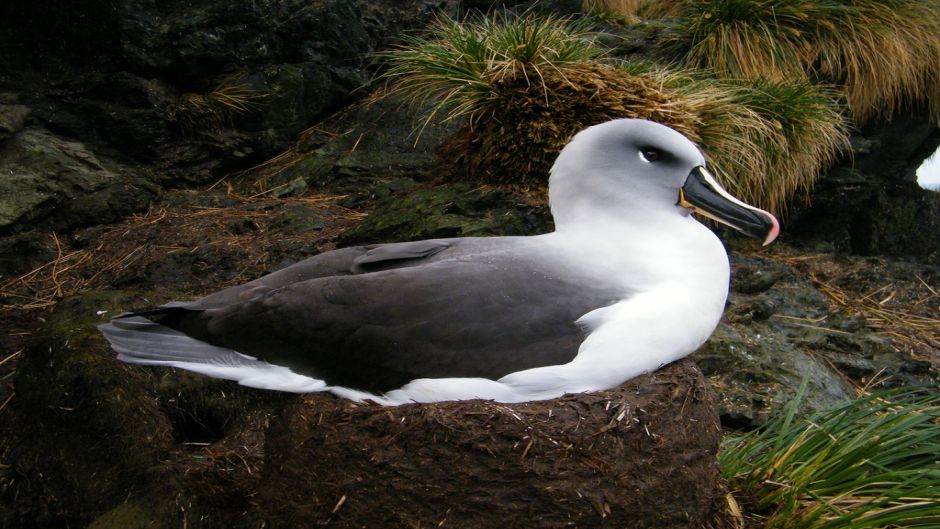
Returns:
<point x="638" y="168"/>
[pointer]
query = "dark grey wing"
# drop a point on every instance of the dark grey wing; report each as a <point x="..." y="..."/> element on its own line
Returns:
<point x="380" y="330"/>
<point x="353" y="260"/>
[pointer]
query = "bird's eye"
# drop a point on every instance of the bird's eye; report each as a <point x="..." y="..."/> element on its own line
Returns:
<point x="650" y="154"/>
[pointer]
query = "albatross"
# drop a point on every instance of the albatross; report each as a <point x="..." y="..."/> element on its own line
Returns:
<point x="627" y="282"/>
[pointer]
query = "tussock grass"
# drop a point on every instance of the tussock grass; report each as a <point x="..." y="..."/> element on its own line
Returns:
<point x="767" y="140"/>
<point x="527" y="83"/>
<point x="885" y="54"/>
<point x="459" y="64"/>
<point x="639" y="9"/>
<point x="867" y="464"/>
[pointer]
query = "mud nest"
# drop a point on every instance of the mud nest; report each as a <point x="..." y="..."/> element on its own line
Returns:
<point x="641" y="455"/>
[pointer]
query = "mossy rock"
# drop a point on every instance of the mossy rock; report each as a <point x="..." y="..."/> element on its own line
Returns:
<point x="92" y="432"/>
<point x="779" y="330"/>
<point x="457" y="210"/>
<point x="134" y="515"/>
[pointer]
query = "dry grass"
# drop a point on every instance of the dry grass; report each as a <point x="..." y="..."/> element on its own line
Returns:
<point x="884" y="54"/>
<point x="765" y="141"/>
<point x="916" y="332"/>
<point x="127" y="249"/>
<point x="232" y="96"/>
<point x="637" y="9"/>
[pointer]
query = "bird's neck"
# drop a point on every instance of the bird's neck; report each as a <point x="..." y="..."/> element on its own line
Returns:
<point x="648" y="246"/>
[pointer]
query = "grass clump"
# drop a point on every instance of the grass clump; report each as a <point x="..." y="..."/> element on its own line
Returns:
<point x="867" y="464"/>
<point x="527" y="83"/>
<point x="885" y="54"/>
<point x="459" y="64"/>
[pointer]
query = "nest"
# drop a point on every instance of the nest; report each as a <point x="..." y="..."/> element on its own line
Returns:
<point x="641" y="455"/>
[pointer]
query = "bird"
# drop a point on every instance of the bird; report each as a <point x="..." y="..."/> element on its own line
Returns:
<point x="627" y="282"/>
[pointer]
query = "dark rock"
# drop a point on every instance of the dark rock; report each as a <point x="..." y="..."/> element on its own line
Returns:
<point x="23" y="252"/>
<point x="143" y="77"/>
<point x="98" y="442"/>
<point x="641" y="455"/>
<point x="871" y="204"/>
<point x="370" y="150"/>
<point x="779" y="330"/>
<point x="89" y="434"/>
<point x="756" y="373"/>
<point x="50" y="182"/>
<point x="751" y="275"/>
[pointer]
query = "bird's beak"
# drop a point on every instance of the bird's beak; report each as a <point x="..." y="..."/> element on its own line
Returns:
<point x="702" y="194"/>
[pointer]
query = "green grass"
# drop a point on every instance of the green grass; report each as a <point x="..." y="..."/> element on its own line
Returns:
<point x="874" y="462"/>
<point x="458" y="63"/>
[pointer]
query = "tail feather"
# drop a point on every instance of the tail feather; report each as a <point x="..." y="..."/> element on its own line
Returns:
<point x="139" y="340"/>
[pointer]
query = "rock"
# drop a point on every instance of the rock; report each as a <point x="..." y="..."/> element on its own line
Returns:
<point x="871" y="204"/>
<point x="641" y="455"/>
<point x="23" y="252"/>
<point x="49" y="182"/>
<point x="369" y="150"/>
<point x="779" y="330"/>
<point x="145" y="78"/>
<point x="93" y="440"/>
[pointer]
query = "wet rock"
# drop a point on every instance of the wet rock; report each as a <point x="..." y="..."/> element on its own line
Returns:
<point x="641" y="455"/>
<point x="51" y="182"/>
<point x="779" y="330"/>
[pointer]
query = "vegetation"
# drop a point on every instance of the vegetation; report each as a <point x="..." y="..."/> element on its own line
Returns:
<point x="460" y="65"/>
<point x="870" y="463"/>
<point x="527" y="83"/>
<point x="634" y="8"/>
<point x="884" y="54"/>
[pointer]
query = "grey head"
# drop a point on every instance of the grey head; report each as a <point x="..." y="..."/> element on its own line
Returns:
<point x="619" y="166"/>
<point x="633" y="170"/>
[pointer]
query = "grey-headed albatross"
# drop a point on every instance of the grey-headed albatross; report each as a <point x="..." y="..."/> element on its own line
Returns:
<point x="628" y="282"/>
